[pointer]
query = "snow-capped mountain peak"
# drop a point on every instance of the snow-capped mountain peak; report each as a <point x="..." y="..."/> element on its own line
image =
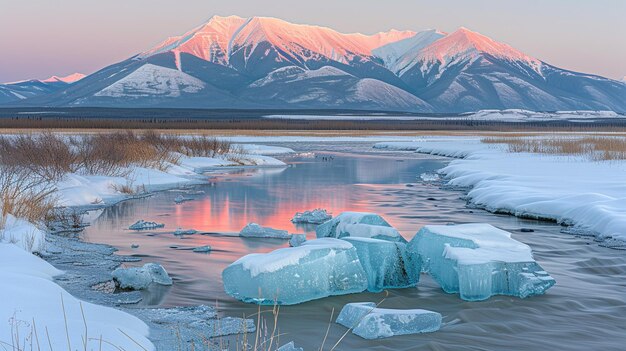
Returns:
<point x="70" y="78"/>
<point x="209" y="41"/>
<point x="221" y="37"/>
<point x="467" y="44"/>
<point x="401" y="55"/>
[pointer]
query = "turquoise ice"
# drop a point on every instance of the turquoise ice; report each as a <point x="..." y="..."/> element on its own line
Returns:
<point x="297" y="239"/>
<point x="253" y="230"/>
<point x="290" y="346"/>
<point x="370" y="322"/>
<point x="479" y="261"/>
<point x="359" y="224"/>
<point x="386" y="263"/>
<point x="315" y="269"/>
<point x="138" y="278"/>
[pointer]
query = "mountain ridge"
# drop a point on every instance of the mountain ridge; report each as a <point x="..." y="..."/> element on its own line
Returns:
<point x="221" y="62"/>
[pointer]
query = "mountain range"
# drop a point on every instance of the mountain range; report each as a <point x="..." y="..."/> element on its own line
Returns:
<point x="260" y="62"/>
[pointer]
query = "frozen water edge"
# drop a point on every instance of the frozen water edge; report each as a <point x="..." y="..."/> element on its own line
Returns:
<point x="88" y="265"/>
<point x="534" y="186"/>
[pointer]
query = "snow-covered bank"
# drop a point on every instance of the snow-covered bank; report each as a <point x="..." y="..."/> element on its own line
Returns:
<point x="510" y="115"/>
<point x="84" y="190"/>
<point x="35" y="311"/>
<point x="591" y="195"/>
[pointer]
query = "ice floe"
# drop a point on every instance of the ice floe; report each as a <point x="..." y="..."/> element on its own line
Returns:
<point x="254" y="230"/>
<point x="359" y="224"/>
<point x="138" y="278"/>
<point x="316" y="269"/>
<point x="316" y="216"/>
<point x="479" y="260"/>
<point x="371" y="322"/>
<point x="145" y="225"/>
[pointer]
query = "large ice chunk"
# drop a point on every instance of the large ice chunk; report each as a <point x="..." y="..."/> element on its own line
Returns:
<point x="254" y="230"/>
<point x="478" y="261"/>
<point x="370" y="322"/>
<point x="359" y="224"/>
<point x="137" y="278"/>
<point x="315" y="269"/>
<point x="316" y="216"/>
<point x="386" y="263"/>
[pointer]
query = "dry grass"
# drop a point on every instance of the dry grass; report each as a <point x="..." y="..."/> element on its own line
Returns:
<point x="46" y="155"/>
<point x="113" y="153"/>
<point x="597" y="148"/>
<point x="24" y="195"/>
<point x="51" y="156"/>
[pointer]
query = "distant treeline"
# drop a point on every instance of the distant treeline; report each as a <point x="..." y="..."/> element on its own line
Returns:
<point x="322" y="125"/>
<point x="104" y="118"/>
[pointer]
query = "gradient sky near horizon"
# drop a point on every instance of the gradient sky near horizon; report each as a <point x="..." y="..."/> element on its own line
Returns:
<point x="40" y="38"/>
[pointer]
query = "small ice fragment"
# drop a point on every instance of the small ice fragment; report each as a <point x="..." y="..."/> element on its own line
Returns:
<point x="180" y="231"/>
<point x="316" y="216"/>
<point x="386" y="263"/>
<point x="290" y="347"/>
<point x="370" y="322"/>
<point x="429" y="177"/>
<point x="316" y="269"/>
<point x="202" y="249"/>
<point x="143" y="225"/>
<point x="137" y="278"/>
<point x="180" y="199"/>
<point x="297" y="239"/>
<point x="359" y="224"/>
<point x="478" y="261"/>
<point x="254" y="230"/>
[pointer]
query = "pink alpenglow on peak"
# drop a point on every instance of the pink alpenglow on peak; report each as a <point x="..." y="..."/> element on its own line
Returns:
<point x="221" y="37"/>
<point x="74" y="77"/>
<point x="210" y="41"/>
<point x="464" y="43"/>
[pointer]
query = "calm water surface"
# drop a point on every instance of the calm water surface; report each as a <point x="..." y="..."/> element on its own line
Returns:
<point x="586" y="310"/>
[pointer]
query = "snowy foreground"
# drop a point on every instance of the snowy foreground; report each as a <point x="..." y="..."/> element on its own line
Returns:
<point x="36" y="312"/>
<point x="589" y="195"/>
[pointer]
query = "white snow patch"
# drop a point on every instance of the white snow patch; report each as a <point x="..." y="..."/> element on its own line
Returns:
<point x="151" y="80"/>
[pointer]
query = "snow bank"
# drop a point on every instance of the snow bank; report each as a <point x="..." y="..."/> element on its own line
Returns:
<point x="509" y="115"/>
<point x="31" y="301"/>
<point x="82" y="190"/>
<point x="266" y="150"/>
<point x="568" y="189"/>
<point x="23" y="234"/>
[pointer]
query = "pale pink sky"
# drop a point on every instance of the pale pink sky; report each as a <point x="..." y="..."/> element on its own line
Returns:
<point x="40" y="38"/>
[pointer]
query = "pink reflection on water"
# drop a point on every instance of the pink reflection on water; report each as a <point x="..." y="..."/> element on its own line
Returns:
<point x="231" y="217"/>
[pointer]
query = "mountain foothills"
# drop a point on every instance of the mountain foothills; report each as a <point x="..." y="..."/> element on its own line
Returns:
<point x="258" y="62"/>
